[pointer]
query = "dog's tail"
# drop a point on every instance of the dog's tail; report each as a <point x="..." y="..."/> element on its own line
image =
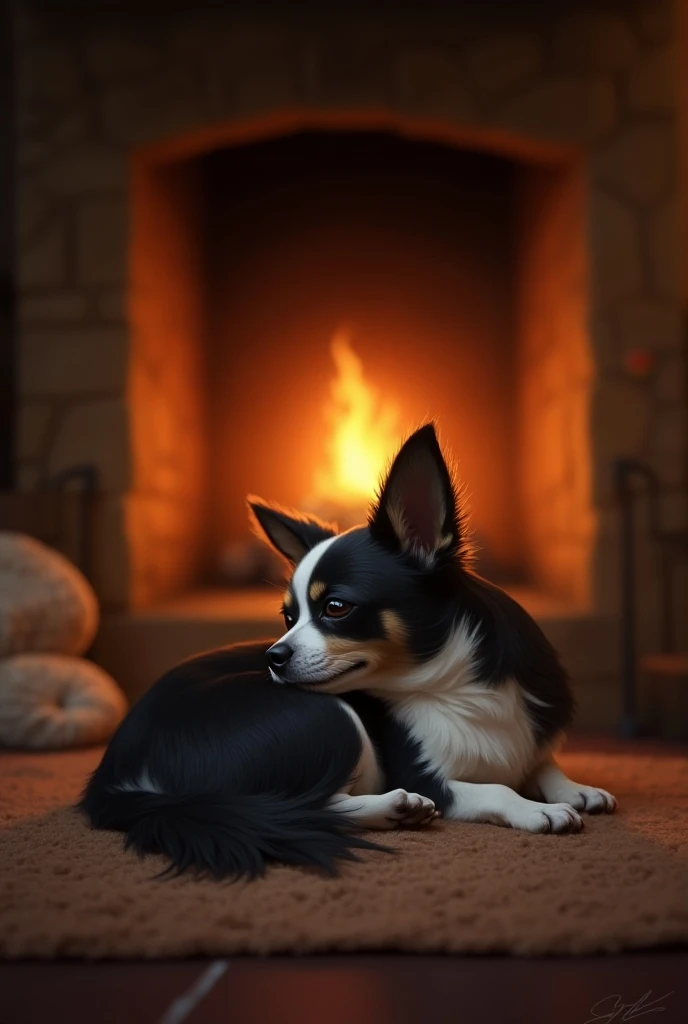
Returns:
<point x="224" y="771"/>
<point x="231" y="836"/>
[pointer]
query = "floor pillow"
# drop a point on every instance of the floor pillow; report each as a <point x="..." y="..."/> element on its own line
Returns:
<point x="46" y="603"/>
<point x="50" y="701"/>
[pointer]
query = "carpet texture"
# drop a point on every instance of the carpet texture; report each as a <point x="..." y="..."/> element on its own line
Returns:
<point x="621" y="884"/>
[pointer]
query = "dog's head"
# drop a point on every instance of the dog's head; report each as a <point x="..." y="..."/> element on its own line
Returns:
<point x="378" y="599"/>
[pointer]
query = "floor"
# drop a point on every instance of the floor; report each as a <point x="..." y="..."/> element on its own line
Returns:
<point x="341" y="990"/>
<point x="368" y="989"/>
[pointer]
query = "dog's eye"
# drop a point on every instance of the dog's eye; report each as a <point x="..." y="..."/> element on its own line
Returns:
<point x="335" y="609"/>
<point x="288" y="620"/>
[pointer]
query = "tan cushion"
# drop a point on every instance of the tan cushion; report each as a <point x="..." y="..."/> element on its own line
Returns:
<point x="49" y="701"/>
<point x="46" y="604"/>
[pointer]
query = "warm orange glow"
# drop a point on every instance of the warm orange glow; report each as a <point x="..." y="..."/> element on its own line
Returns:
<point x="363" y="432"/>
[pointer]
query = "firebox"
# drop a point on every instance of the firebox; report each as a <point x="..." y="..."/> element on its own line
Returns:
<point x="312" y="298"/>
<point x="355" y="284"/>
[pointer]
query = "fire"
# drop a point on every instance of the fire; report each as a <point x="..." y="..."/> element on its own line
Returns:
<point x="362" y="433"/>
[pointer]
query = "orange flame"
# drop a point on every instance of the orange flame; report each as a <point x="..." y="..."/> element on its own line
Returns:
<point x="362" y="433"/>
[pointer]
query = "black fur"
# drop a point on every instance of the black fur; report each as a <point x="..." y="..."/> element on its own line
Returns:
<point x="431" y="590"/>
<point x="512" y="646"/>
<point x="360" y="570"/>
<point x="430" y="601"/>
<point x="245" y="766"/>
<point x="399" y="755"/>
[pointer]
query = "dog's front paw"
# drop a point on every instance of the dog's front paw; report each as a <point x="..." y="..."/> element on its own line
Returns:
<point x="556" y="818"/>
<point x="587" y="798"/>
<point x="593" y="800"/>
<point x="409" y="810"/>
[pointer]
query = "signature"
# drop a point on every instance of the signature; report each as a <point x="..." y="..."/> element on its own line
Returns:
<point x="612" y="1009"/>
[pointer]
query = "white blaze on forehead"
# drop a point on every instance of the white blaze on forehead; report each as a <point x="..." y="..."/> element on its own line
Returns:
<point x="303" y="635"/>
<point x="300" y="584"/>
<point x="301" y="580"/>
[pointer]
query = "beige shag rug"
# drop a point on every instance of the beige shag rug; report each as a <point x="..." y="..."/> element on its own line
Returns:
<point x="623" y="883"/>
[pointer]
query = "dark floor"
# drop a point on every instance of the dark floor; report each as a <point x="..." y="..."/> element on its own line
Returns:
<point x="343" y="990"/>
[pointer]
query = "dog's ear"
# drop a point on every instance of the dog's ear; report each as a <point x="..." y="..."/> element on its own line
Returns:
<point x="416" y="511"/>
<point x="291" y="534"/>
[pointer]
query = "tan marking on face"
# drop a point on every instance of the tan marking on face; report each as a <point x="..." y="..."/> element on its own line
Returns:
<point x="317" y="589"/>
<point x="394" y="628"/>
<point x="288" y="599"/>
<point x="380" y="654"/>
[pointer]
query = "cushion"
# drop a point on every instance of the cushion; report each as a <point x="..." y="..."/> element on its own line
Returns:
<point x="46" y="604"/>
<point x="49" y="701"/>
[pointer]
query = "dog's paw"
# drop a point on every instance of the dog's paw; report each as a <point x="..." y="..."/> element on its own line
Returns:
<point x="409" y="810"/>
<point x="557" y="818"/>
<point x="587" y="798"/>
<point x="593" y="800"/>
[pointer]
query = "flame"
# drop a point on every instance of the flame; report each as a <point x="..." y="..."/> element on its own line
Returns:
<point x="362" y="432"/>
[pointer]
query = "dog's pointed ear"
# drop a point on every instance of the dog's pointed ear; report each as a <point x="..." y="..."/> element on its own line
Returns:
<point x="416" y="512"/>
<point x="291" y="534"/>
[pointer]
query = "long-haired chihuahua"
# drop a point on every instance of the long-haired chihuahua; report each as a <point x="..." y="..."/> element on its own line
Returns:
<point x="403" y="687"/>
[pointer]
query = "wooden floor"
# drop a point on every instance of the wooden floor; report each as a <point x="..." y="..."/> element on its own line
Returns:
<point x="344" y="990"/>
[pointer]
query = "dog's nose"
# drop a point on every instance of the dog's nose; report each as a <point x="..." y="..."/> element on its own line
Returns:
<point x="279" y="655"/>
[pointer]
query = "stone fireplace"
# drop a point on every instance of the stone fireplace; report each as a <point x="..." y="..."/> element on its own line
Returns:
<point x="244" y="263"/>
<point x="486" y="200"/>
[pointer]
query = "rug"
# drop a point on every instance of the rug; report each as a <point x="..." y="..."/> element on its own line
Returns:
<point x="621" y="884"/>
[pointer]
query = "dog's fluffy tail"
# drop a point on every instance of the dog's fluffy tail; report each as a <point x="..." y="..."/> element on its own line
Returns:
<point x="222" y="770"/>
<point x="232" y="836"/>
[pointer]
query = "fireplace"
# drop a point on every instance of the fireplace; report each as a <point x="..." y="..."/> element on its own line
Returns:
<point x="228" y="219"/>
<point x="279" y="275"/>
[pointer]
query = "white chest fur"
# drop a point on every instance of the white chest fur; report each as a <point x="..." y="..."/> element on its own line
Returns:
<point x="476" y="734"/>
<point x="468" y="731"/>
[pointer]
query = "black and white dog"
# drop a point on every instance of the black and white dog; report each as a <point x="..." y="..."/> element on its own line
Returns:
<point x="449" y="700"/>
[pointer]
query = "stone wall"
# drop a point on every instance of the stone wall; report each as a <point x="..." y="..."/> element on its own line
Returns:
<point x="568" y="83"/>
